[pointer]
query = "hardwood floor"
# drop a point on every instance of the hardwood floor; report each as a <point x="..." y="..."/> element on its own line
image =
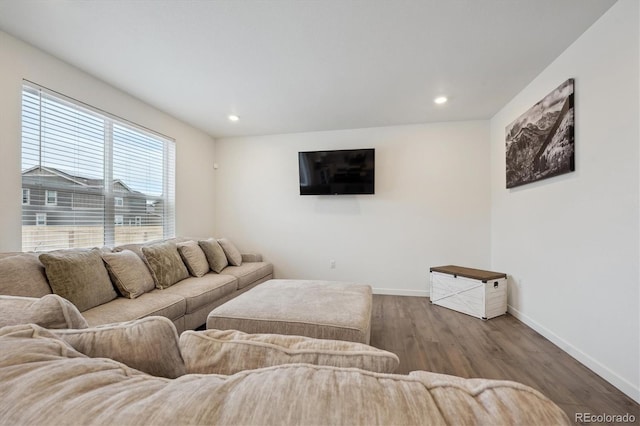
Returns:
<point x="433" y="338"/>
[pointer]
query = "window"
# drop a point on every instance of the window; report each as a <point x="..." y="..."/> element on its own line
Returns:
<point x="41" y="219"/>
<point x="51" y="198"/>
<point x="81" y="164"/>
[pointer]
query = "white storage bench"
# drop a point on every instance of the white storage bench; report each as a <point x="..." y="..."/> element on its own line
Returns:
<point x="482" y="294"/>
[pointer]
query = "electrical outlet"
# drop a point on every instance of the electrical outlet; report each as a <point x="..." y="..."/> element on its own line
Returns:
<point x="332" y="264"/>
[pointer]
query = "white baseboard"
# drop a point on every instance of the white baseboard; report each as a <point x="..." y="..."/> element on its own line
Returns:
<point x="400" y="292"/>
<point x="619" y="382"/>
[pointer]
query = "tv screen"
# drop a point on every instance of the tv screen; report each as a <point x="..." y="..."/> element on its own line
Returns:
<point x="346" y="171"/>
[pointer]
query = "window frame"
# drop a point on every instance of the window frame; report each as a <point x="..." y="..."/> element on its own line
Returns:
<point x="120" y="135"/>
<point x="41" y="219"/>
<point x="26" y="191"/>
<point x="49" y="192"/>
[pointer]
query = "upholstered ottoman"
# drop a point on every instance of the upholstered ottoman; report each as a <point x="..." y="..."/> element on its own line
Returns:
<point x="320" y="309"/>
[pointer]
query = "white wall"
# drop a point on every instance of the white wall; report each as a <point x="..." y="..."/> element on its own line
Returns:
<point x="431" y="205"/>
<point x="194" y="149"/>
<point x="571" y="243"/>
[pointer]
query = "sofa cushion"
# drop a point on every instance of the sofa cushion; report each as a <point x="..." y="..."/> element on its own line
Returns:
<point x="193" y="258"/>
<point x="156" y="302"/>
<point x="251" y="257"/>
<point x="49" y="311"/>
<point x="201" y="291"/>
<point x="249" y="272"/>
<point x="231" y="351"/>
<point x="134" y="247"/>
<point x="215" y="254"/>
<point x="233" y="254"/>
<point x="22" y="274"/>
<point x="79" y="276"/>
<point x="137" y="247"/>
<point x="165" y="263"/>
<point x="129" y="273"/>
<point x="148" y="344"/>
<point x="46" y="381"/>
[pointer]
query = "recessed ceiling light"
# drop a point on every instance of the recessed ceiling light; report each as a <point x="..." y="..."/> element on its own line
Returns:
<point x="440" y="100"/>
<point x="233" y="117"/>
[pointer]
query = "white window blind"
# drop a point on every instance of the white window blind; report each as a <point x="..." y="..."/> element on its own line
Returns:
<point x="97" y="179"/>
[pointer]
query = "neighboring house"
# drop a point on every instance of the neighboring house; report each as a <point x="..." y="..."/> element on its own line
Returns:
<point x="53" y="197"/>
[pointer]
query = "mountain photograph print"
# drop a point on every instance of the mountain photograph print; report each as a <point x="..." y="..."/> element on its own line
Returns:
<point x="540" y="143"/>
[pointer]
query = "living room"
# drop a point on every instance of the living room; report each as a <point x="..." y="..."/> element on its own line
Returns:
<point x="570" y="244"/>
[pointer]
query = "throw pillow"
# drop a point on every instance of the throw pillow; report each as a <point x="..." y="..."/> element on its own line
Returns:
<point x="214" y="253"/>
<point x="165" y="264"/>
<point x="233" y="254"/>
<point x="23" y="275"/>
<point x="194" y="258"/>
<point x="79" y="276"/>
<point x="129" y="273"/>
<point x="137" y="247"/>
<point x="230" y="351"/>
<point x="49" y="311"/>
<point x="149" y="344"/>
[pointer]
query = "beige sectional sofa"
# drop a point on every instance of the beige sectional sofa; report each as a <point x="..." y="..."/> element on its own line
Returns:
<point x="186" y="302"/>
<point x="141" y="372"/>
<point x="60" y="366"/>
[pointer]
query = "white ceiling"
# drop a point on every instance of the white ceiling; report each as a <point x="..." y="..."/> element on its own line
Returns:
<point x="292" y="65"/>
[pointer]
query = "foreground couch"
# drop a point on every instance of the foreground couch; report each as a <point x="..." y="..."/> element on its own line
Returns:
<point x="141" y="372"/>
<point x="181" y="279"/>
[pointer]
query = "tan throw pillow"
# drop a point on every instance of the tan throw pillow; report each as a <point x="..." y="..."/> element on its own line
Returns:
<point x="134" y="247"/>
<point x="149" y="344"/>
<point x="129" y="273"/>
<point x="79" y="276"/>
<point x="233" y="254"/>
<point x="194" y="258"/>
<point x="165" y="264"/>
<point x="214" y="253"/>
<point x="23" y="275"/>
<point x="49" y="311"/>
<point x="137" y="247"/>
<point x="230" y="351"/>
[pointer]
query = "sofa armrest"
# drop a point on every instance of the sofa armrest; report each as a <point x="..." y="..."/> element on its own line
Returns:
<point x="231" y="351"/>
<point x="50" y="311"/>
<point x="251" y="257"/>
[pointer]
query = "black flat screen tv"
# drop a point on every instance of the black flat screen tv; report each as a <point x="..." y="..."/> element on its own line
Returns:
<point x="345" y="171"/>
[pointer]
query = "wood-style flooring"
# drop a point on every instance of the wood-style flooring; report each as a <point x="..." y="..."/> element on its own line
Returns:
<point x="433" y="338"/>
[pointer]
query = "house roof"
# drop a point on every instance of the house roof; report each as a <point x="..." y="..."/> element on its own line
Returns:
<point x="86" y="182"/>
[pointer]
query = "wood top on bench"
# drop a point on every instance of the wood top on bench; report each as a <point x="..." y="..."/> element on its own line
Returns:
<point x="476" y="274"/>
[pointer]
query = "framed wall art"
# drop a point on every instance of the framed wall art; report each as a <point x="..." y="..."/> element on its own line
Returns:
<point x="540" y="143"/>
